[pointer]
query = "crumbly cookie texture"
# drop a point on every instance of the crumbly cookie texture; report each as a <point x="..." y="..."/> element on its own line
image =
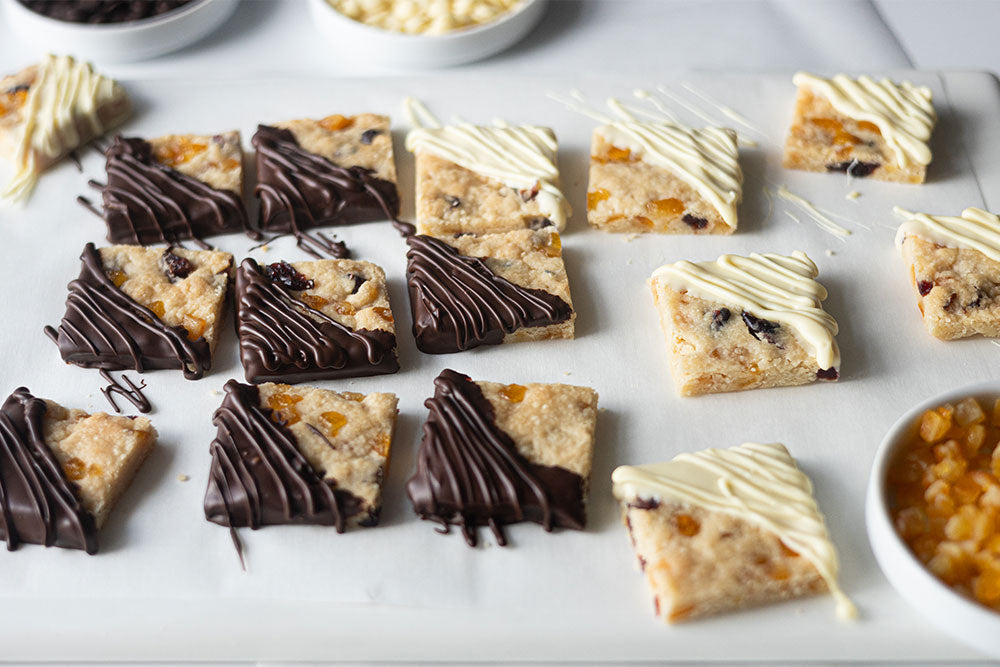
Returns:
<point x="185" y="288"/>
<point x="712" y="349"/>
<point x="345" y="436"/>
<point x="363" y="140"/>
<point x="529" y="258"/>
<point x="627" y="194"/>
<point x="699" y="563"/>
<point x="455" y="200"/>
<point x="958" y="289"/>
<point x="99" y="453"/>
<point x="822" y="139"/>
<point x="352" y="292"/>
<point x="213" y="159"/>
<point x="551" y="424"/>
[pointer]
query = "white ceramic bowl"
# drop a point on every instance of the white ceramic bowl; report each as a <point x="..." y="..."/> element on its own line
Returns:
<point x="957" y="615"/>
<point x="353" y="39"/>
<point x="119" y="42"/>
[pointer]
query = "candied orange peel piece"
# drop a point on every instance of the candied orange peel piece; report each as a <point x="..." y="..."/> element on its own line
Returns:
<point x="513" y="392"/>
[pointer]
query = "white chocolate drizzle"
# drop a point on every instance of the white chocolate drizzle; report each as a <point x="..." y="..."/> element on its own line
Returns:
<point x="902" y="112"/>
<point x="60" y="113"/>
<point x="819" y="217"/>
<point x="521" y="156"/>
<point x="777" y="288"/>
<point x="976" y="229"/>
<point x="706" y="159"/>
<point x="755" y="482"/>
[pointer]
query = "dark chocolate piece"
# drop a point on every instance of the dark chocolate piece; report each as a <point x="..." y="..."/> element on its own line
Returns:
<point x="102" y="11"/>
<point x="299" y="190"/>
<point x="146" y="202"/>
<point x="829" y="374"/>
<point x="284" y="340"/>
<point x="130" y="391"/>
<point x="104" y="328"/>
<point x="258" y="475"/>
<point x="469" y="472"/>
<point x="38" y="504"/>
<point x="458" y="303"/>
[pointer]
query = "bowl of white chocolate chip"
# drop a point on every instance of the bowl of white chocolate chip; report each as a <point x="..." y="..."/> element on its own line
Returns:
<point x="424" y="33"/>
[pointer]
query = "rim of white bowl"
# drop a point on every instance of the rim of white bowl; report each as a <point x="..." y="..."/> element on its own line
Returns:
<point x="877" y="508"/>
<point x="403" y="36"/>
<point x="172" y="15"/>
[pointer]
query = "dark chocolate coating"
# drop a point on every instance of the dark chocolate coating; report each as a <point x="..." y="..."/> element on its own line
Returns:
<point x="102" y="11"/>
<point x="104" y="328"/>
<point x="38" y="504"/>
<point x="146" y="202"/>
<point x="458" y="303"/>
<point x="258" y="475"/>
<point x="284" y="340"/>
<point x="299" y="190"/>
<point x="469" y="472"/>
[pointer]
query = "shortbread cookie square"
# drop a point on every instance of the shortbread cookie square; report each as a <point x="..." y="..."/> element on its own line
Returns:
<point x="722" y="529"/>
<point x="661" y="177"/>
<point x="299" y="455"/>
<point x="50" y="109"/>
<point x="955" y="270"/>
<point x="494" y="454"/>
<point x="62" y="471"/>
<point x="174" y="188"/>
<point x="483" y="180"/>
<point x="337" y="170"/>
<point x="474" y="290"/>
<point x="862" y="127"/>
<point x="313" y="320"/>
<point x="745" y="323"/>
<point x="145" y="308"/>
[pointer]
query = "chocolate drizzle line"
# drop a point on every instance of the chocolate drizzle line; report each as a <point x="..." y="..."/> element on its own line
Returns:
<point x="132" y="393"/>
<point x="104" y="328"/>
<point x="283" y="339"/>
<point x="38" y="504"/>
<point x="299" y="189"/>
<point x="258" y="475"/>
<point x="458" y="303"/>
<point x="469" y="472"/>
<point x="147" y="202"/>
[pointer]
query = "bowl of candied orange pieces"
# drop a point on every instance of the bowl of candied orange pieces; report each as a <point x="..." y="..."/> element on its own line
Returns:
<point x="933" y="512"/>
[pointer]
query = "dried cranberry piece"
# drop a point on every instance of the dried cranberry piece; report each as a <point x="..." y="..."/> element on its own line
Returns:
<point x="358" y="281"/>
<point x="924" y="287"/>
<point x="951" y="301"/>
<point x="827" y="374"/>
<point x="644" y="503"/>
<point x="285" y="274"/>
<point x="528" y="195"/>
<point x="760" y="328"/>
<point x="540" y="223"/>
<point x="368" y="135"/>
<point x="176" y="267"/>
<point x="854" y="168"/>
<point x="453" y="202"/>
<point x="719" y="318"/>
<point x="694" y="222"/>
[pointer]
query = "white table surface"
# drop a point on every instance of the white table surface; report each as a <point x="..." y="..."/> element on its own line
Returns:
<point x="637" y="37"/>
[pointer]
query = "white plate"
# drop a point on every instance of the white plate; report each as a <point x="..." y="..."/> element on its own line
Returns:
<point x="354" y="40"/>
<point x="120" y="42"/>
<point x="167" y="582"/>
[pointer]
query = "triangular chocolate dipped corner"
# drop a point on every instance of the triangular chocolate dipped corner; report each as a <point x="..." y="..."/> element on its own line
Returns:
<point x="458" y="303"/>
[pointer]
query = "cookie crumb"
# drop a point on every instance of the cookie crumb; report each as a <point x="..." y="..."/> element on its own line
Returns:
<point x="182" y="478"/>
<point x="630" y="237"/>
<point x="265" y="248"/>
<point x="830" y="253"/>
<point x="853" y="195"/>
